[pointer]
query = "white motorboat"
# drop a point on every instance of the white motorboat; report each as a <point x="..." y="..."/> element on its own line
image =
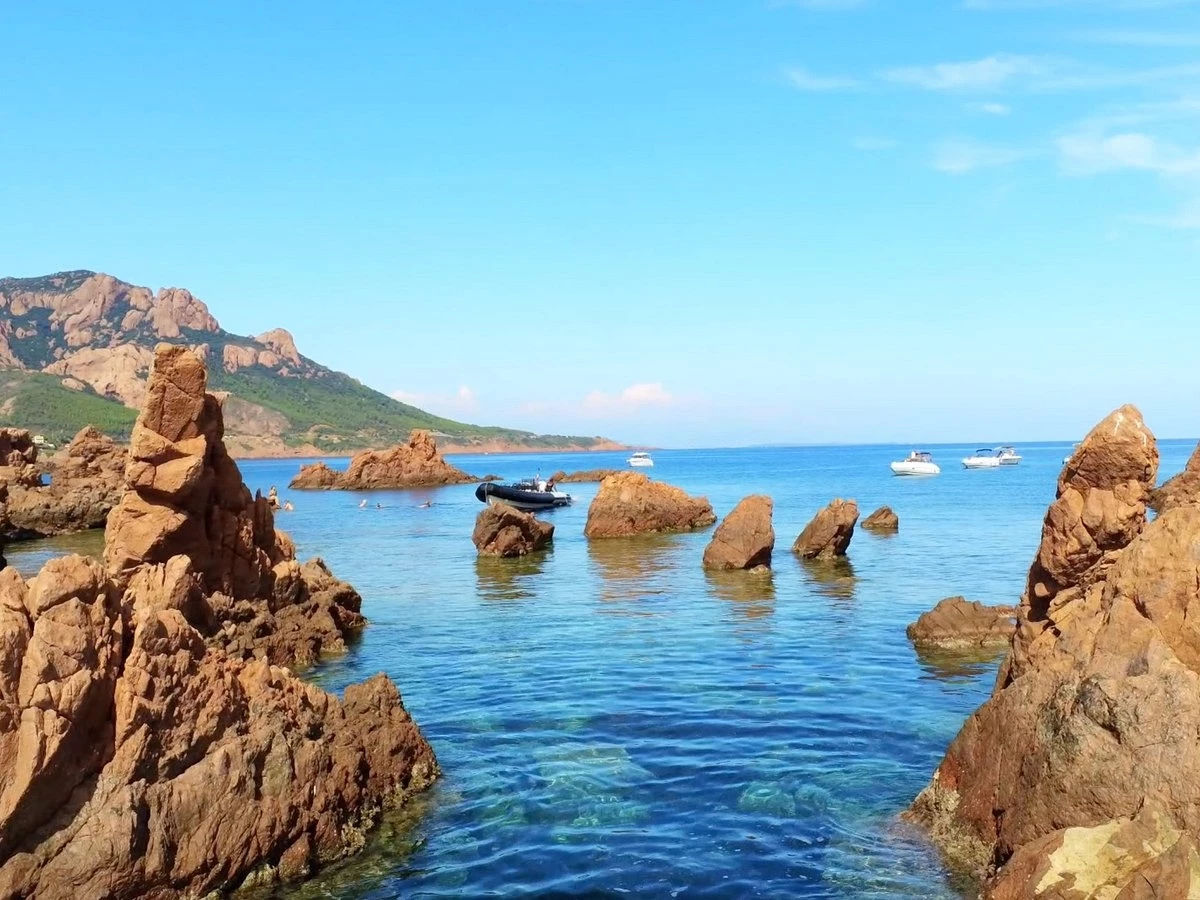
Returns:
<point x="641" y="460"/>
<point x="1008" y="455"/>
<point x="982" y="459"/>
<point x="919" y="462"/>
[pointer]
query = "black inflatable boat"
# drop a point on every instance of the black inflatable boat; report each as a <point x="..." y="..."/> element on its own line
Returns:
<point x="522" y="494"/>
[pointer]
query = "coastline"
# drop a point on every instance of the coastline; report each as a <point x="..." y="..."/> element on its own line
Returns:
<point x="240" y="448"/>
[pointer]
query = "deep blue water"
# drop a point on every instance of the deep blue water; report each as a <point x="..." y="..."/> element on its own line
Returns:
<point x="613" y="721"/>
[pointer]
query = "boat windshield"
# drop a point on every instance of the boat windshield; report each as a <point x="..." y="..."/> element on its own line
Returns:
<point x="921" y="456"/>
<point x="983" y="450"/>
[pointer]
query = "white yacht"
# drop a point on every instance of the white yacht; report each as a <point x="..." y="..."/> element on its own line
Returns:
<point x="641" y="460"/>
<point x="982" y="459"/>
<point x="1008" y="455"/>
<point x="919" y="462"/>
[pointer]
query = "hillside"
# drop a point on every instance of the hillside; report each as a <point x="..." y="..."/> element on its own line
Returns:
<point x="76" y="347"/>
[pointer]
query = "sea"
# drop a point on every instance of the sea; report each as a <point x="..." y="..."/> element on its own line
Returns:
<point x="613" y="721"/>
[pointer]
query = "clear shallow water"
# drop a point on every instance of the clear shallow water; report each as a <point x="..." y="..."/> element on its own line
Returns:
<point x="613" y="721"/>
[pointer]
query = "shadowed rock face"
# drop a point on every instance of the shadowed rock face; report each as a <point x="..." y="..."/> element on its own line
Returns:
<point x="86" y="483"/>
<point x="883" y="519"/>
<point x="629" y="503"/>
<point x="1096" y="711"/>
<point x="149" y="747"/>
<point x="956" y="623"/>
<point x="415" y="464"/>
<point x="501" y="530"/>
<point x="745" y="539"/>
<point x="829" y="533"/>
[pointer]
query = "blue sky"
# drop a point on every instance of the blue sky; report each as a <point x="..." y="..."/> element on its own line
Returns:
<point x="680" y="223"/>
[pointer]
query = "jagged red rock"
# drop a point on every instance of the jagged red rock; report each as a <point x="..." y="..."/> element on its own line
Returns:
<point x="829" y="533"/>
<point x="745" y="538"/>
<point x="629" y="503"/>
<point x="501" y="530"/>
<point x="956" y="623"/>
<point x="1181" y="490"/>
<point x="415" y="464"/>
<point x="883" y="519"/>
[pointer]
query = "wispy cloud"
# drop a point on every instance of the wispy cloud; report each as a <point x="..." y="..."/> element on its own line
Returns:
<point x="873" y="143"/>
<point x="992" y="109"/>
<point x="803" y="80"/>
<point x="989" y="73"/>
<point x="634" y="397"/>
<point x="1093" y="154"/>
<point x="959" y="156"/>
<point x="461" y="401"/>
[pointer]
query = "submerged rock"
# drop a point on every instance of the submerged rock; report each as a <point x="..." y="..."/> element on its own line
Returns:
<point x="151" y="747"/>
<point x="830" y="531"/>
<point x="415" y="464"/>
<point x="883" y="519"/>
<point x="1096" y="711"/>
<point x="956" y="623"/>
<point x="745" y="539"/>
<point x="630" y="503"/>
<point x="502" y="530"/>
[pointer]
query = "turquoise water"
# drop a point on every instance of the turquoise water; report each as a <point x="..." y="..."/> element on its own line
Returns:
<point x="613" y="721"/>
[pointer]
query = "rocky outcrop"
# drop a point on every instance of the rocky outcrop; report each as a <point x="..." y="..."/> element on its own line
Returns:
<point x="630" y="503"/>
<point x="17" y="451"/>
<point x="745" y="538"/>
<point x="882" y="520"/>
<point x="957" y="624"/>
<point x="1181" y="490"/>
<point x="829" y="533"/>
<point x="148" y="745"/>
<point x="1096" y="709"/>
<point x="502" y="530"/>
<point x="415" y="464"/>
<point x="583" y="476"/>
<point x="85" y="484"/>
<point x="118" y="372"/>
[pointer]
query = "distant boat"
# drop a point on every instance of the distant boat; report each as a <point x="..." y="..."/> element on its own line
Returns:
<point x="982" y="459"/>
<point x="641" y="460"/>
<point x="1008" y="455"/>
<point x="527" y="495"/>
<point x="919" y="462"/>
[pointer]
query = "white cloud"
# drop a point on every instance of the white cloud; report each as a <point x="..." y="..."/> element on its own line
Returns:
<point x="958" y="156"/>
<point x="987" y="74"/>
<point x="803" y="80"/>
<point x="461" y="401"/>
<point x="873" y="143"/>
<point x="1092" y="154"/>
<point x="992" y="109"/>
<point x="634" y="397"/>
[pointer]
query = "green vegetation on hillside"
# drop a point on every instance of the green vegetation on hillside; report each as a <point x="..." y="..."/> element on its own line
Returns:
<point x="41" y="404"/>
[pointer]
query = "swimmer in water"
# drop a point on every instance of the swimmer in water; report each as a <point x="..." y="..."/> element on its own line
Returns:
<point x="426" y="504"/>
<point x="363" y="505"/>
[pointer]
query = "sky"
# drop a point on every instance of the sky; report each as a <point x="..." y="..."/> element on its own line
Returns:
<point x="685" y="223"/>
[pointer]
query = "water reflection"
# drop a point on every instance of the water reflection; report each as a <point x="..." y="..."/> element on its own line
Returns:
<point x="509" y="579"/>
<point x="960" y="664"/>
<point x="28" y="557"/>
<point x="831" y="578"/>
<point x="750" y="594"/>
<point x="634" y="568"/>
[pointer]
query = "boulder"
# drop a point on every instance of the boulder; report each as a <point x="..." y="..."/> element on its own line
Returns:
<point x="630" y="503"/>
<point x="149" y="744"/>
<point x="745" y="538"/>
<point x="415" y="464"/>
<point x="586" y="475"/>
<point x="956" y="624"/>
<point x="1180" y="490"/>
<point x="883" y="519"/>
<point x="829" y="533"/>
<point x="502" y="530"/>
<point x="1096" y="710"/>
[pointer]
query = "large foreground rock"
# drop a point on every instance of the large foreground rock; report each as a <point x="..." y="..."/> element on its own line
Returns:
<point x="882" y="520"/>
<point x="958" y="624"/>
<point x="630" y="503"/>
<point x="1181" y="490"/>
<point x="502" y="530"/>
<point x="148" y="745"/>
<point x="415" y="464"/>
<point x="1096" y="711"/>
<point x="745" y="538"/>
<point x="829" y="533"/>
<point x="86" y="481"/>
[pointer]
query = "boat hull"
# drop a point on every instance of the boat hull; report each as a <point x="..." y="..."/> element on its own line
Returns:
<point x="915" y="468"/>
<point x="981" y="462"/>
<point x="642" y="463"/>
<point x="520" y="498"/>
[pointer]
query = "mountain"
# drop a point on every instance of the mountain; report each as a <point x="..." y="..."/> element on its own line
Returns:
<point x="76" y="348"/>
